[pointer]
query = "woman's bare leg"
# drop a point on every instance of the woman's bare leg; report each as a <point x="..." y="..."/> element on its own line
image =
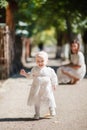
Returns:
<point x="74" y="79"/>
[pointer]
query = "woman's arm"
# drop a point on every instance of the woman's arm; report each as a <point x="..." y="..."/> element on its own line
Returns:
<point x="75" y="66"/>
<point x="72" y="65"/>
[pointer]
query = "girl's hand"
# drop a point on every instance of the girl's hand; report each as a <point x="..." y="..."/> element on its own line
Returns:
<point x="54" y="87"/>
<point x="22" y="72"/>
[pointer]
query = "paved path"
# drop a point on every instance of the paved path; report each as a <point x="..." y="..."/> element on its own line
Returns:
<point x="71" y="109"/>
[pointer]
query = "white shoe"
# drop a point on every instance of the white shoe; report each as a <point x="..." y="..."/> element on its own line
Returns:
<point x="52" y="111"/>
<point x="36" y="117"/>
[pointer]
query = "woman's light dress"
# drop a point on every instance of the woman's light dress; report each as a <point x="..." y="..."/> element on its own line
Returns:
<point x="76" y="59"/>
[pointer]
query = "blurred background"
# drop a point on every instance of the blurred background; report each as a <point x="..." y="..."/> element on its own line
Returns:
<point x="28" y="26"/>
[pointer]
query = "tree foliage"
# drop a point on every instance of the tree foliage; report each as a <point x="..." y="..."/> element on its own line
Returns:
<point x="43" y="14"/>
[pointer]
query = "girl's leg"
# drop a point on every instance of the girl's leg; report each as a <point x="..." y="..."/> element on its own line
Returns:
<point x="37" y="109"/>
<point x="52" y="111"/>
<point x="51" y="99"/>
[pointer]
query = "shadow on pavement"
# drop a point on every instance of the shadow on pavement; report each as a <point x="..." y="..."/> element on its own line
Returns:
<point x="20" y="119"/>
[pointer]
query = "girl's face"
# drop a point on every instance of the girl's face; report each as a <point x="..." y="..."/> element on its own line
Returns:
<point x="41" y="62"/>
<point x="74" y="48"/>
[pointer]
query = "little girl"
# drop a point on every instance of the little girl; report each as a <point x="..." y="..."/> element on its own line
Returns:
<point x="76" y="70"/>
<point x="44" y="81"/>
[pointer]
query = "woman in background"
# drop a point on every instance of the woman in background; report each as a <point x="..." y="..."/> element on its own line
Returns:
<point x="76" y="70"/>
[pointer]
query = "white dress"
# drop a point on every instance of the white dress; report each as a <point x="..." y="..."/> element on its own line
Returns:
<point x="76" y="59"/>
<point x="41" y="89"/>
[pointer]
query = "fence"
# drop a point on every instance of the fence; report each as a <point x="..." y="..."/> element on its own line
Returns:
<point x="4" y="52"/>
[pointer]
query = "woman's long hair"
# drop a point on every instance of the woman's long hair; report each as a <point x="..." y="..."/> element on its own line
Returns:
<point x="75" y="41"/>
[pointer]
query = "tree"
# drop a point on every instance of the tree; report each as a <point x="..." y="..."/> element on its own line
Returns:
<point x="66" y="16"/>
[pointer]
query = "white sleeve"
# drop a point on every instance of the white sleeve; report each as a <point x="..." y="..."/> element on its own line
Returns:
<point x="31" y="73"/>
<point x="53" y="77"/>
<point x="81" y="60"/>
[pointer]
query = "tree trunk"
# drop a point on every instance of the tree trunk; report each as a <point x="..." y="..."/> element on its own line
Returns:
<point x="59" y="44"/>
<point x="14" y="45"/>
<point x="69" y="28"/>
<point x="84" y="37"/>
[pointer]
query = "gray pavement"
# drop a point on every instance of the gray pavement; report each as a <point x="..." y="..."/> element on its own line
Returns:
<point x="15" y="114"/>
<point x="71" y="109"/>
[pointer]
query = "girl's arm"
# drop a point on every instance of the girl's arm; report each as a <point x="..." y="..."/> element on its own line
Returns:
<point x="54" y="79"/>
<point x="23" y="73"/>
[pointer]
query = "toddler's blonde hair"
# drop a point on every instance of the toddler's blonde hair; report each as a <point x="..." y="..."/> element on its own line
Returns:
<point x="42" y="54"/>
